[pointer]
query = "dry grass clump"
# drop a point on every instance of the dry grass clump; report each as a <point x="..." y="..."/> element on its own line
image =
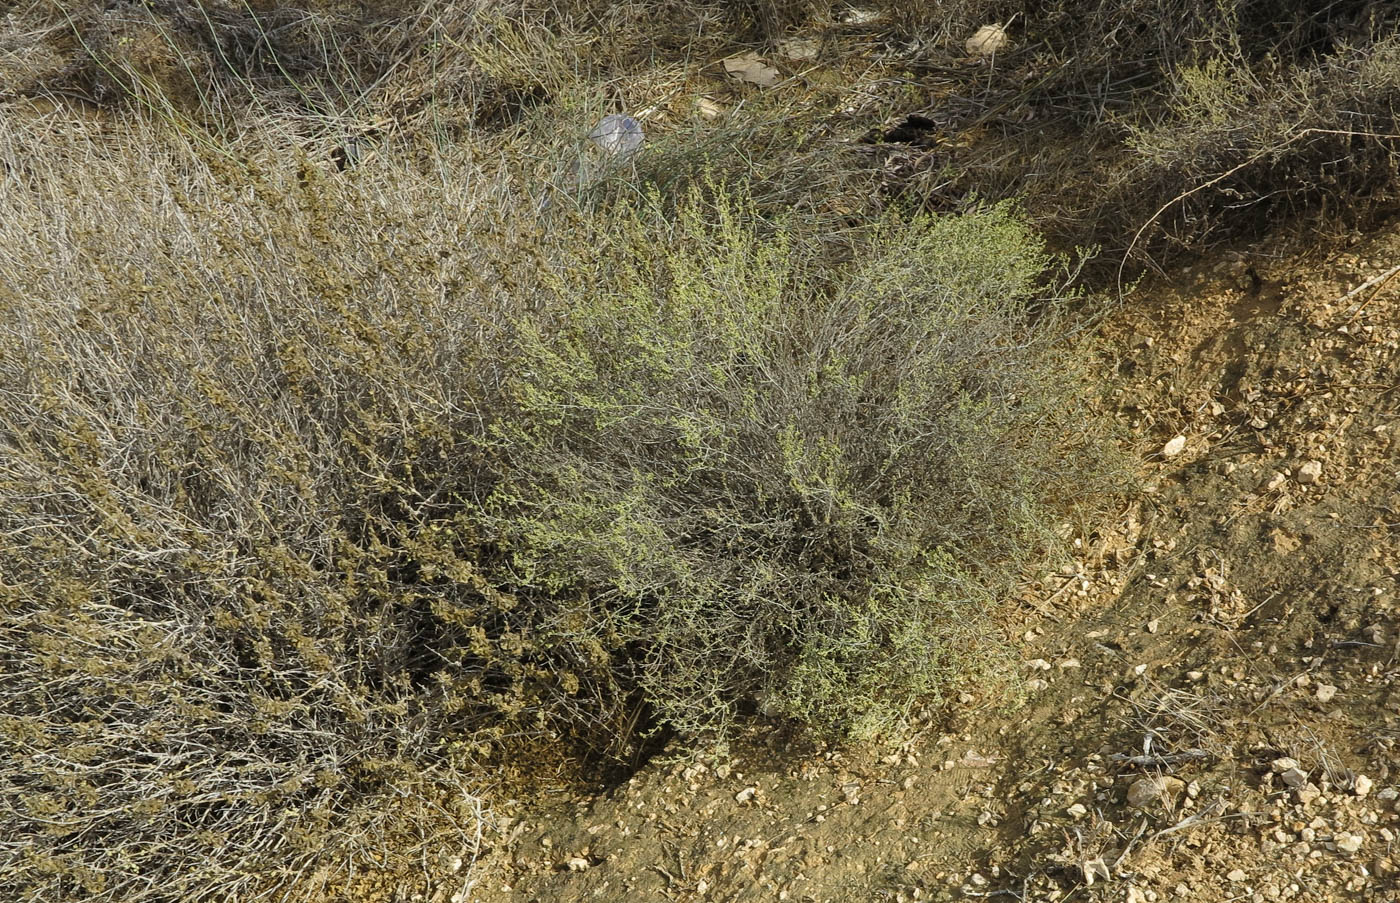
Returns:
<point x="480" y="63"/>
<point x="230" y="396"/>
<point x="1191" y="120"/>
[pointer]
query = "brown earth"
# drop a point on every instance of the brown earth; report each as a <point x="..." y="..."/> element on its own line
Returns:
<point x="1240" y="612"/>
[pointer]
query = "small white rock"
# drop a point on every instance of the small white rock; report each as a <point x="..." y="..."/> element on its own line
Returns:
<point x="1348" y="843"/>
<point x="1077" y="810"/>
<point x="989" y="39"/>
<point x="1236" y="876"/>
<point x="1325" y="692"/>
<point x="1174" y="447"/>
<point x="578" y="864"/>
<point x="1362" y="785"/>
<point x="1149" y="790"/>
<point x="1310" y="472"/>
<point x="1282" y="764"/>
<point x="1295" y="778"/>
<point x="1038" y="664"/>
<point x="743" y="796"/>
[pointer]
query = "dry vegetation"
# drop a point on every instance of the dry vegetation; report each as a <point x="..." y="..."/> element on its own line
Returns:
<point x="357" y="427"/>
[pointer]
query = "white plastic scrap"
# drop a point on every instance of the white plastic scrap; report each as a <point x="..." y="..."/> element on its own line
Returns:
<point x="618" y="133"/>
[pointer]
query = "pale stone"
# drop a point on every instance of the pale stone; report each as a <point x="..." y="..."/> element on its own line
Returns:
<point x="987" y="40"/>
<point x="1148" y="790"/>
<point x="1310" y="472"/>
<point x="1348" y="843"/>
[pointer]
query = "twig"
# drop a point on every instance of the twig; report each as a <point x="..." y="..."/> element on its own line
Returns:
<point x="1383" y="279"/>
<point x="1142" y="826"/>
<point x="1167" y="759"/>
<point x="1255" y="158"/>
<point x="1207" y="814"/>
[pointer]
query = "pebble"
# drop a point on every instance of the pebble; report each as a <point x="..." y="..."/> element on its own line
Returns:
<point x="1362" y="785"/>
<point x="1310" y="472"/>
<point x="1148" y="790"/>
<point x="578" y="864"/>
<point x="1325" y="692"/>
<point x="743" y="796"/>
<point x="1174" y="447"/>
<point x="1348" y="843"/>
<point x="1078" y="810"/>
<point x="1237" y="876"/>
<point x="1294" y="778"/>
<point x="1282" y="764"/>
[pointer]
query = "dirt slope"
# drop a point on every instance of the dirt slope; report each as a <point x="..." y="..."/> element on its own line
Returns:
<point x="1238" y="615"/>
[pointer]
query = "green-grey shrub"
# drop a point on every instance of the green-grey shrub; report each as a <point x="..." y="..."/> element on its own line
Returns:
<point x="739" y="473"/>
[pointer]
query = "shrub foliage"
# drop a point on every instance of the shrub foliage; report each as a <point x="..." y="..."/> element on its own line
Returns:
<point x="223" y="404"/>
<point x="749" y="475"/>
<point x="318" y="490"/>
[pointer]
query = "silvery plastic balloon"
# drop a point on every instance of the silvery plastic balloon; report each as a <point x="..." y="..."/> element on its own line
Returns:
<point x="618" y="133"/>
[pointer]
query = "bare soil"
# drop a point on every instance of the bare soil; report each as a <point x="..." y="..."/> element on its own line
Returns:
<point x="1240" y="612"/>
